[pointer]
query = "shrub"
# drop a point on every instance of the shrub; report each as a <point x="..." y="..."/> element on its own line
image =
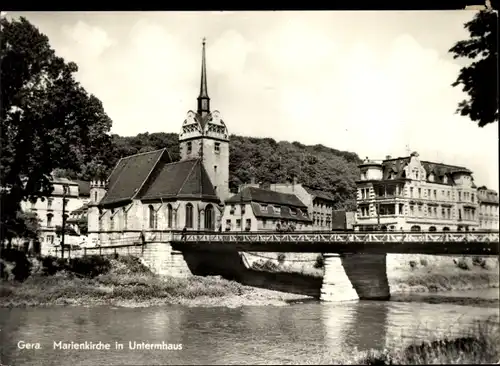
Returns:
<point x="22" y="266"/>
<point x="462" y="264"/>
<point x="51" y="265"/>
<point x="413" y="264"/>
<point x="133" y="264"/>
<point x="90" y="266"/>
<point x="281" y="258"/>
<point x="320" y="261"/>
<point x="478" y="261"/>
<point x="268" y="266"/>
<point x="423" y="262"/>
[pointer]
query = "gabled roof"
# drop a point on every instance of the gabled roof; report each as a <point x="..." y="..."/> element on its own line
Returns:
<point x="285" y="213"/>
<point x="183" y="179"/>
<point x="83" y="187"/>
<point x="260" y="195"/>
<point x="317" y="193"/>
<point x="130" y="174"/>
<point x="396" y="166"/>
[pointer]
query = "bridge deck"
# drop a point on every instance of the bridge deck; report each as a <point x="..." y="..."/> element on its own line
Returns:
<point x="477" y="243"/>
<point x="453" y="243"/>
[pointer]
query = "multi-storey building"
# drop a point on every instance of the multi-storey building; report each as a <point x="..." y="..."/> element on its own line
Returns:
<point x="254" y="208"/>
<point x="488" y="208"/>
<point x="410" y="194"/>
<point x="49" y="210"/>
<point x="319" y="203"/>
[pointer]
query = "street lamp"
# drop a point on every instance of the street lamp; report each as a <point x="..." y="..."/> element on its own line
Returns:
<point x="65" y="189"/>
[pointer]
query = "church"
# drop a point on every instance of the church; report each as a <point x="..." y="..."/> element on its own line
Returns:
<point x="148" y="192"/>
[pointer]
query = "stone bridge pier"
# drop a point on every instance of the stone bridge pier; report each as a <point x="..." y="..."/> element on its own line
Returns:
<point x="355" y="276"/>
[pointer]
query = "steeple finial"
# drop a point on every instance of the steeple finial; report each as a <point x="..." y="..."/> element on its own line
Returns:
<point x="203" y="99"/>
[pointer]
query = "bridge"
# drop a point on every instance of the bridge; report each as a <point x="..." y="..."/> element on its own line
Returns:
<point x="355" y="264"/>
<point x="443" y="243"/>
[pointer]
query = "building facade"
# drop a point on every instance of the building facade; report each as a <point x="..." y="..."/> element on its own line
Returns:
<point x="319" y="203"/>
<point x="258" y="209"/>
<point x="49" y="209"/>
<point x="488" y="209"/>
<point x="413" y="195"/>
<point x="148" y="192"/>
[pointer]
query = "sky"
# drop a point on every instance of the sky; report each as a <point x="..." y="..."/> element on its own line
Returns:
<point x="374" y="83"/>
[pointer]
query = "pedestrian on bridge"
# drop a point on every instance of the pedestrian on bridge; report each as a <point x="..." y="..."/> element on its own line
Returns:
<point x="183" y="235"/>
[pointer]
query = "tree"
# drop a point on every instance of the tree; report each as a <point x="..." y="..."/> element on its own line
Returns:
<point x="479" y="79"/>
<point x="48" y="120"/>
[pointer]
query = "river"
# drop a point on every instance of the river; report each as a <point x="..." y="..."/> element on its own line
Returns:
<point x="265" y="334"/>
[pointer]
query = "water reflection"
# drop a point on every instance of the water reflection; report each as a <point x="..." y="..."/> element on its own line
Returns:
<point x="226" y="336"/>
<point x="361" y="326"/>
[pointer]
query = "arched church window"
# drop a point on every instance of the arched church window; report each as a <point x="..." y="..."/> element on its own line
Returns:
<point x="152" y="217"/>
<point x="95" y="196"/>
<point x="169" y="215"/>
<point x="209" y="218"/>
<point x="189" y="147"/>
<point x="189" y="216"/>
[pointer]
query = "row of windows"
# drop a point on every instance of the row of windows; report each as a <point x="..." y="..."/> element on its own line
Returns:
<point x="189" y="147"/>
<point x="229" y="225"/>
<point x="389" y="191"/>
<point x="153" y="218"/>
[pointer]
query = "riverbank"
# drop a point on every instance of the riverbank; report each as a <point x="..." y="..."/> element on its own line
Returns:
<point x="125" y="282"/>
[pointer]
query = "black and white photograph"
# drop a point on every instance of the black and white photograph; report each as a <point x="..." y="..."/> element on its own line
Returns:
<point x="249" y="187"/>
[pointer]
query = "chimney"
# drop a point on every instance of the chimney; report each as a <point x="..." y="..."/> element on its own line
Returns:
<point x="387" y="157"/>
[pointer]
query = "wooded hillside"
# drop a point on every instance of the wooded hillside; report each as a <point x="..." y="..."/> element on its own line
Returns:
<point x="264" y="159"/>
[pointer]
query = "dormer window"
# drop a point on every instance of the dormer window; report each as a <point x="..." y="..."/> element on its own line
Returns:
<point x="189" y="147"/>
<point x="293" y="212"/>
<point x="217" y="147"/>
<point x="277" y="210"/>
<point x="263" y="207"/>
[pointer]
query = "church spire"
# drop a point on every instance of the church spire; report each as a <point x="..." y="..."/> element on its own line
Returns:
<point x="203" y="99"/>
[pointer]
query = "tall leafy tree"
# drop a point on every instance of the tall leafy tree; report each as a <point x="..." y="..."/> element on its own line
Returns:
<point x="48" y="120"/>
<point x="480" y="78"/>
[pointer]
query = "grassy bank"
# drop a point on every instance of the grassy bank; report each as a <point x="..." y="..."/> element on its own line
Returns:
<point x="480" y="346"/>
<point x="124" y="281"/>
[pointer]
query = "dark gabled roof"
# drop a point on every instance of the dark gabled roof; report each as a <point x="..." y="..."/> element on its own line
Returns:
<point x="260" y="195"/>
<point x="130" y="174"/>
<point x="485" y="195"/>
<point x="183" y="179"/>
<point x="317" y="193"/>
<point x="439" y="170"/>
<point x="83" y="187"/>
<point x="285" y="213"/>
<point x="395" y="166"/>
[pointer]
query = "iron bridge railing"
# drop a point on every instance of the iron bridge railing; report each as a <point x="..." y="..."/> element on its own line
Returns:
<point x="335" y="237"/>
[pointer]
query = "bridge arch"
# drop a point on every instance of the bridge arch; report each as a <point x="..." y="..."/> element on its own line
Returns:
<point x="446" y="228"/>
<point x="415" y="228"/>
<point x="432" y="228"/>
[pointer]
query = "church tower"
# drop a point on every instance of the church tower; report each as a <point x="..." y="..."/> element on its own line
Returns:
<point x="204" y="136"/>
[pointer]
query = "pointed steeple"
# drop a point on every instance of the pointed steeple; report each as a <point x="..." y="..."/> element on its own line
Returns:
<point x="203" y="99"/>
